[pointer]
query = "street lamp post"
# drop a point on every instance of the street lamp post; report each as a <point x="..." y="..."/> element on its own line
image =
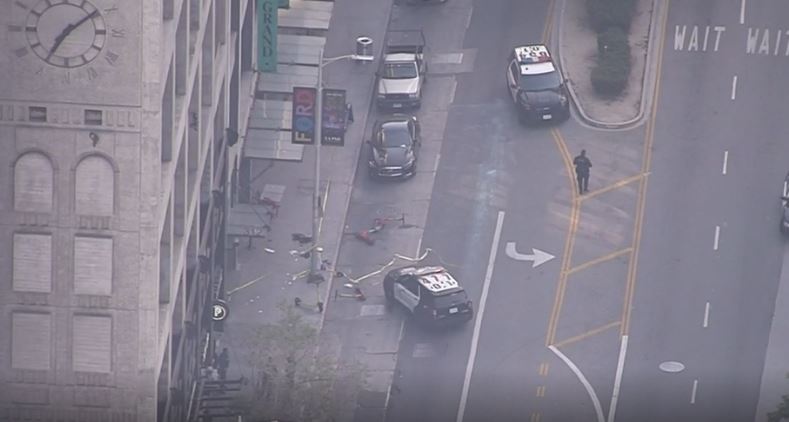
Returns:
<point x="316" y="198"/>
<point x="315" y="250"/>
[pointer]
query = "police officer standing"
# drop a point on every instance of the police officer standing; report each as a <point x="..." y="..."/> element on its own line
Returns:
<point x="582" y="166"/>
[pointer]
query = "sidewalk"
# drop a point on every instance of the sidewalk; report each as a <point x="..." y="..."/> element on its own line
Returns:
<point x="272" y="273"/>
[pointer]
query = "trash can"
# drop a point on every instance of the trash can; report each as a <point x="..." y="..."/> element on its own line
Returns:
<point x="364" y="48"/>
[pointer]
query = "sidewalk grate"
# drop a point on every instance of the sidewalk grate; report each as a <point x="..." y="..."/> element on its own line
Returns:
<point x="449" y="58"/>
<point x="423" y="350"/>
<point x="372" y="310"/>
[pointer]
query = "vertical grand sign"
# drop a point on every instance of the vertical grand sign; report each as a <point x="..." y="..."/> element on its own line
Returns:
<point x="267" y="35"/>
<point x="334" y="117"/>
<point x="303" y="118"/>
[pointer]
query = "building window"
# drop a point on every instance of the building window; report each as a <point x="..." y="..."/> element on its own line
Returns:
<point x="31" y="341"/>
<point x="32" y="263"/>
<point x="37" y="114"/>
<point x="95" y="186"/>
<point x="92" y="343"/>
<point x="93" y="265"/>
<point x="93" y="117"/>
<point x="33" y="179"/>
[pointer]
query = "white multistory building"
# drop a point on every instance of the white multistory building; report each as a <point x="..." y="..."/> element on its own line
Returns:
<point x="114" y="157"/>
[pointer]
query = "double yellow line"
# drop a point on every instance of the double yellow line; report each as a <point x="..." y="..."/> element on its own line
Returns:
<point x="569" y="242"/>
<point x="646" y="162"/>
<point x="565" y="270"/>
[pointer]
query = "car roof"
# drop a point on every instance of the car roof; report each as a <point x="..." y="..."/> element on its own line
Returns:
<point x="396" y="121"/>
<point x="400" y="58"/>
<point x="435" y="279"/>
<point x="534" y="59"/>
<point x="438" y="282"/>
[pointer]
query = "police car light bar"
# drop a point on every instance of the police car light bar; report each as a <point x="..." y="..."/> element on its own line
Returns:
<point x="534" y="54"/>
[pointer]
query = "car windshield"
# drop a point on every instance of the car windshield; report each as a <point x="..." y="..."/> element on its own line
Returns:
<point x="541" y="82"/>
<point x="400" y="71"/>
<point x="447" y="300"/>
<point x="396" y="135"/>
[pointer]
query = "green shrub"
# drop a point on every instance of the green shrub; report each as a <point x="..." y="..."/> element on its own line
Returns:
<point x="610" y="75"/>
<point x="604" y="14"/>
<point x="613" y="41"/>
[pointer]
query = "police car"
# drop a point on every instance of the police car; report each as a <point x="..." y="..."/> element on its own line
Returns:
<point x="536" y="86"/>
<point x="430" y="294"/>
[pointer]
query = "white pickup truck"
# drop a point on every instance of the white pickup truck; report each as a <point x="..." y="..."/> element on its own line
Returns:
<point x="403" y="71"/>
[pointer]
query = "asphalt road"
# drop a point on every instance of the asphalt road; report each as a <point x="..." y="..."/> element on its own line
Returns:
<point x="491" y="167"/>
<point x="489" y="163"/>
<point x="681" y="267"/>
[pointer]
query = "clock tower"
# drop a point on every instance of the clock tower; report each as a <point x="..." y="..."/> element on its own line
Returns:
<point x="114" y="175"/>
<point x="80" y="189"/>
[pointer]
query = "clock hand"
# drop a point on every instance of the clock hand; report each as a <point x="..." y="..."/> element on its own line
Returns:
<point x="67" y="30"/>
<point x="86" y="17"/>
<point x="59" y="39"/>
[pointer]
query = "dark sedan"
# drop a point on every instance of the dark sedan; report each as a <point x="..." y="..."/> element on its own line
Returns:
<point x="394" y="148"/>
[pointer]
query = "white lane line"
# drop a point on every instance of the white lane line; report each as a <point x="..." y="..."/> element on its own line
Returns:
<point x="589" y="390"/>
<point x="435" y="166"/>
<point x="725" y="161"/>
<point x="470" y="13"/>
<point x="693" y="393"/>
<point x="707" y="315"/>
<point x="480" y="312"/>
<point x="742" y="12"/>
<point x="734" y="87"/>
<point x="717" y="238"/>
<point x="620" y="366"/>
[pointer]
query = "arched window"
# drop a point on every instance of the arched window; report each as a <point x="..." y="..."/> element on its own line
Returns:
<point x="95" y="186"/>
<point x="33" y="180"/>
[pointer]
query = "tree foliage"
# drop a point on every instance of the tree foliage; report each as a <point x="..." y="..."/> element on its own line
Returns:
<point x="610" y="75"/>
<point x="289" y="381"/>
<point x="781" y="413"/>
<point x="605" y="14"/>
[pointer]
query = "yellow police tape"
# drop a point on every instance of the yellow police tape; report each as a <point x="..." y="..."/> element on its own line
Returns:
<point x="389" y="264"/>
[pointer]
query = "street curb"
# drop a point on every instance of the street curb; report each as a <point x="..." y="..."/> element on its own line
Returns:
<point x="647" y="77"/>
<point x="351" y="181"/>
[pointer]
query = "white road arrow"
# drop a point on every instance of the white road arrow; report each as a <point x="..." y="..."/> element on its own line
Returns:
<point x="538" y="257"/>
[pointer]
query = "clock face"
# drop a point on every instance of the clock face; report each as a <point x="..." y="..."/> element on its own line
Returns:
<point x="65" y="34"/>
<point x="71" y="50"/>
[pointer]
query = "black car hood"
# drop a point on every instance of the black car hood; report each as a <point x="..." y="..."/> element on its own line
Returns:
<point x="396" y="156"/>
<point x="543" y="98"/>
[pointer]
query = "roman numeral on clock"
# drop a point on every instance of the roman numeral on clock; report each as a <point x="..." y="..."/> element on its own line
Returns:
<point x="111" y="57"/>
